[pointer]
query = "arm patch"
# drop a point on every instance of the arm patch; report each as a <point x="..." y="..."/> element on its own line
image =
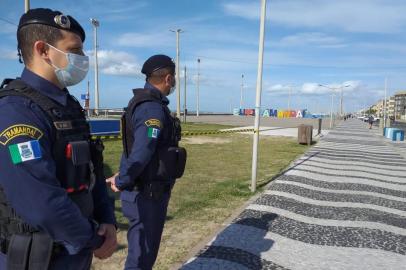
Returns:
<point x="153" y="123"/>
<point x="18" y="131"/>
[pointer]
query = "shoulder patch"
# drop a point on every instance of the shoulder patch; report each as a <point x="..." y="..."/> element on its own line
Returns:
<point x="22" y="152"/>
<point x="153" y="122"/>
<point x="19" y="130"/>
<point x="153" y="133"/>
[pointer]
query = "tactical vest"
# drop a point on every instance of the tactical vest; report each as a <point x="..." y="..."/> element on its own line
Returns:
<point x="75" y="154"/>
<point x="168" y="162"/>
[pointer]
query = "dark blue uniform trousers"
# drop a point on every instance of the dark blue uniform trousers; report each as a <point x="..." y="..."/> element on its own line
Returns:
<point x="146" y="218"/>
<point x="80" y="261"/>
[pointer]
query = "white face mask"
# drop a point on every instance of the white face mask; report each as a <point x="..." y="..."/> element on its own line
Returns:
<point x="75" y="71"/>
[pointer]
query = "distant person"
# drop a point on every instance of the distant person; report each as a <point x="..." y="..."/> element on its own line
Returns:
<point x="150" y="163"/>
<point x="55" y="210"/>
<point x="370" y="121"/>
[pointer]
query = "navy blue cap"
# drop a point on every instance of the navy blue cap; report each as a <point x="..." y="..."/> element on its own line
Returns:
<point x="157" y="62"/>
<point x="52" y="18"/>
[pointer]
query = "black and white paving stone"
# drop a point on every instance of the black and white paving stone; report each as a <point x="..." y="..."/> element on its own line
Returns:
<point x="342" y="205"/>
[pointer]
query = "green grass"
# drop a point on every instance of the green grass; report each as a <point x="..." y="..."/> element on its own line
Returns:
<point x="215" y="184"/>
<point x="202" y="126"/>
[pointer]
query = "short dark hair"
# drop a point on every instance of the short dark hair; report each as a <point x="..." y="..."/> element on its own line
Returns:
<point x="158" y="76"/>
<point x="28" y="35"/>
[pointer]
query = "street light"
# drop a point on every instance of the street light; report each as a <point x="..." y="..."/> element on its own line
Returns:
<point x="184" y="99"/>
<point x="290" y="90"/>
<point x="258" y="97"/>
<point x="177" y="31"/>
<point x="242" y="87"/>
<point x="96" y="24"/>
<point x="198" y="86"/>
<point x="332" y="99"/>
<point x="384" y="104"/>
<point x="26" y="5"/>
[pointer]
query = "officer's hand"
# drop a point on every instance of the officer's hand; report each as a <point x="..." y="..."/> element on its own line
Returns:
<point x="112" y="181"/>
<point x="110" y="241"/>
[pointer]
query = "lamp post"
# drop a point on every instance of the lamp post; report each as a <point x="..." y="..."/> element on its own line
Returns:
<point x="177" y="31"/>
<point x="242" y="87"/>
<point x="96" y="24"/>
<point x="258" y="97"/>
<point x="198" y="87"/>
<point x="290" y="90"/>
<point x="184" y="99"/>
<point x="332" y="99"/>
<point x="384" y="104"/>
<point x="26" y="5"/>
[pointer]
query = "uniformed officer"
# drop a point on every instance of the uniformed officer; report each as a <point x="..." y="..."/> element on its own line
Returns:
<point x="150" y="163"/>
<point x="55" y="212"/>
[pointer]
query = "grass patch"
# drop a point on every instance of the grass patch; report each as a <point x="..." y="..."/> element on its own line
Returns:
<point x="202" y="126"/>
<point x="215" y="183"/>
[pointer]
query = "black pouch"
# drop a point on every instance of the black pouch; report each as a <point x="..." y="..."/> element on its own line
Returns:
<point x="18" y="251"/>
<point x="41" y="251"/>
<point x="77" y="166"/>
<point x="80" y="153"/>
<point x="172" y="162"/>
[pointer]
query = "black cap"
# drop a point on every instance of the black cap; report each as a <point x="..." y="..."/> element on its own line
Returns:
<point x="155" y="63"/>
<point x="52" y="18"/>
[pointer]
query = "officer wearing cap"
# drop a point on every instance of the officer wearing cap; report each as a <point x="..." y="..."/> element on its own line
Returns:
<point x="55" y="212"/>
<point x="150" y="163"/>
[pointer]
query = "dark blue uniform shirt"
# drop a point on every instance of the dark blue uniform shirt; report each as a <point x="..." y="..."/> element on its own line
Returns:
<point x="31" y="186"/>
<point x="148" y="120"/>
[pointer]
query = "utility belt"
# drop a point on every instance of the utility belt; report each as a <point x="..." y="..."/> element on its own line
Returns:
<point x="154" y="190"/>
<point x="31" y="251"/>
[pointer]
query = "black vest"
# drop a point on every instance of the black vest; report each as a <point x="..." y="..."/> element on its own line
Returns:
<point x="170" y="136"/>
<point x="72" y="149"/>
<point x="172" y="132"/>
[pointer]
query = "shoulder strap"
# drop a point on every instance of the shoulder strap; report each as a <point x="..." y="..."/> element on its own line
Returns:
<point x="142" y="95"/>
<point x="19" y="88"/>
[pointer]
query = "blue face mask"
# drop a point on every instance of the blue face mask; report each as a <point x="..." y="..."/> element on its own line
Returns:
<point x="75" y="71"/>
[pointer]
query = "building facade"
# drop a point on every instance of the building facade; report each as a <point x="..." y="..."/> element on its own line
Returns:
<point x="400" y="105"/>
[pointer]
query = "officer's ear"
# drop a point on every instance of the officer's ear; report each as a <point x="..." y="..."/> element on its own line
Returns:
<point x="41" y="49"/>
<point x="168" y="79"/>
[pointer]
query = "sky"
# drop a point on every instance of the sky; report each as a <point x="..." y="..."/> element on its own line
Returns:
<point x="353" y="45"/>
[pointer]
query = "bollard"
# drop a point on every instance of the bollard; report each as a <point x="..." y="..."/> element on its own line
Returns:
<point x="319" y="129"/>
<point x="305" y="134"/>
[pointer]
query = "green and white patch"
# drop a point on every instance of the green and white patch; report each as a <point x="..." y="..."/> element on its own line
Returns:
<point x="22" y="152"/>
<point x="153" y="133"/>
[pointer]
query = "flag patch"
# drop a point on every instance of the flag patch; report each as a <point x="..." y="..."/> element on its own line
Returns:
<point x="153" y="133"/>
<point x="25" y="151"/>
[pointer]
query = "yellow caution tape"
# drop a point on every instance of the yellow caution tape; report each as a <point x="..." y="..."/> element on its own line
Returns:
<point x="107" y="137"/>
<point x="184" y="133"/>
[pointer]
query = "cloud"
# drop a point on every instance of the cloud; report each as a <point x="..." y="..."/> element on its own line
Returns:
<point x="320" y="89"/>
<point x="347" y="15"/>
<point x="117" y="63"/>
<point x="279" y="89"/>
<point x="145" y="39"/>
<point x="313" y="39"/>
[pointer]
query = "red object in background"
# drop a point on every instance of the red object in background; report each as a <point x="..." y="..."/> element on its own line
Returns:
<point x="68" y="151"/>
<point x="249" y="112"/>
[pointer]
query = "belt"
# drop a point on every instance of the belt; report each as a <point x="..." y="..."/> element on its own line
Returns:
<point x="154" y="190"/>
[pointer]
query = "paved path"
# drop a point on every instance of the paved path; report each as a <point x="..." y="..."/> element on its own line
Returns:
<point x="341" y="206"/>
